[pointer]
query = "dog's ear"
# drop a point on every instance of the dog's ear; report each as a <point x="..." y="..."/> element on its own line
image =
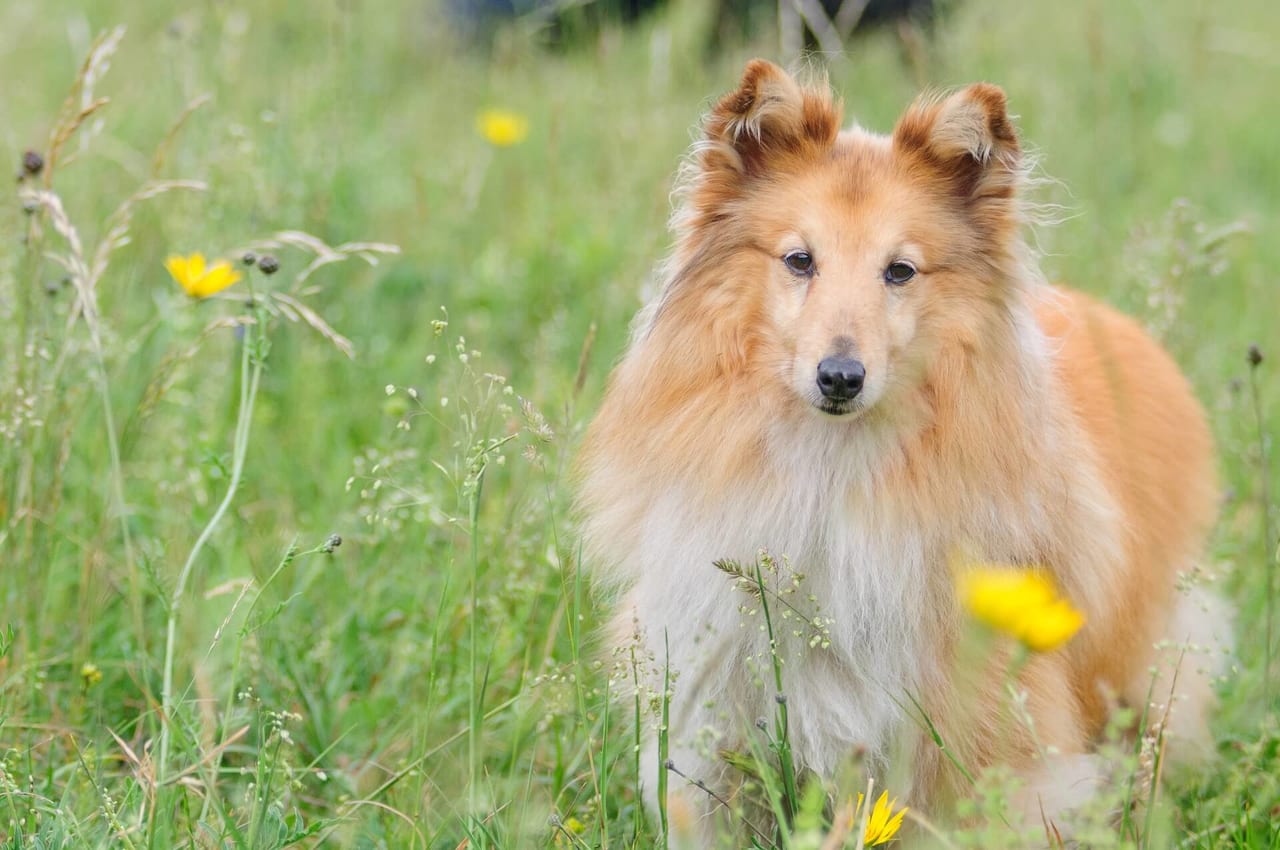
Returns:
<point x="966" y="140"/>
<point x="767" y="122"/>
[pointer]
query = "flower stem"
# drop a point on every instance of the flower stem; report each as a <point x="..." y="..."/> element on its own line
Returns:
<point x="664" y="744"/>
<point x="1268" y="543"/>
<point x="474" y="695"/>
<point x="250" y="373"/>
<point x="782" y="742"/>
<point x="117" y="488"/>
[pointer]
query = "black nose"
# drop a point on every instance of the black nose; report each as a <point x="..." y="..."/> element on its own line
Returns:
<point x="840" y="378"/>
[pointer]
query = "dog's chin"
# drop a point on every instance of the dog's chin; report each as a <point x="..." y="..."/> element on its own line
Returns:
<point x="844" y="410"/>
<point x="839" y="409"/>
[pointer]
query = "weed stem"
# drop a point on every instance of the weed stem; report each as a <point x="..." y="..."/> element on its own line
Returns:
<point x="1268" y="542"/>
<point x="250" y="373"/>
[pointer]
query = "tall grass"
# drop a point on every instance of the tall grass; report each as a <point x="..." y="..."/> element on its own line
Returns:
<point x="187" y="659"/>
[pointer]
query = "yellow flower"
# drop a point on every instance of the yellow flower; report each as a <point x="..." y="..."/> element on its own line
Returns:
<point x="198" y="280"/>
<point x="1022" y="603"/>
<point x="503" y="128"/>
<point x="568" y="829"/>
<point x="883" y="823"/>
<point x="90" y="675"/>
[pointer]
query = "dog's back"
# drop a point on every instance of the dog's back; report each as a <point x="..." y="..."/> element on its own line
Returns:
<point x="1155" y="452"/>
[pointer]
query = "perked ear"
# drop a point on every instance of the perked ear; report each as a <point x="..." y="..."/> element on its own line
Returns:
<point x="768" y="120"/>
<point x="966" y="139"/>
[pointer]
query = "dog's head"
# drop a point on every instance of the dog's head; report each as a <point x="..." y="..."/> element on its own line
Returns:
<point x="836" y="263"/>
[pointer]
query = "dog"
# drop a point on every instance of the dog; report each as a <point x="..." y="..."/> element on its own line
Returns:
<point x="855" y="365"/>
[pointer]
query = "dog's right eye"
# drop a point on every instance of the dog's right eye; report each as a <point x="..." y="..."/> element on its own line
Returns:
<point x="899" y="273"/>
<point x="800" y="262"/>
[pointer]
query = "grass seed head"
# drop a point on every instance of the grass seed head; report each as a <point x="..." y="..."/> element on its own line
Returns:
<point x="90" y="675"/>
<point x="32" y="163"/>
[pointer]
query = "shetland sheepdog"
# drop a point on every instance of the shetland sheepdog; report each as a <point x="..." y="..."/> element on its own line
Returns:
<point x="855" y="366"/>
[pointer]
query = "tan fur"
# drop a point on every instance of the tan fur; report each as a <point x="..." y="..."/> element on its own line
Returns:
<point x="1028" y="424"/>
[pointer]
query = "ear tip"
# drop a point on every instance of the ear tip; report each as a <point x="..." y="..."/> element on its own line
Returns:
<point x="759" y="69"/>
<point x="757" y="74"/>
<point x="989" y="95"/>
<point x="994" y="103"/>
<point x="760" y="78"/>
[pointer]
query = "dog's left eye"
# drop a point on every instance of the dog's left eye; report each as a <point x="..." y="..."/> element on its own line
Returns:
<point x="800" y="262"/>
<point x="899" y="272"/>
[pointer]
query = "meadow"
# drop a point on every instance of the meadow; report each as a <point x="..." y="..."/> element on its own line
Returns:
<point x="294" y="565"/>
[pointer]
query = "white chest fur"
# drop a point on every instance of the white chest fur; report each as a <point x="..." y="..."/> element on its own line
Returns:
<point x="849" y="575"/>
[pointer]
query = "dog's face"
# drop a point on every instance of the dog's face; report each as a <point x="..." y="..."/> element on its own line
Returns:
<point x="835" y="262"/>
<point x="845" y="266"/>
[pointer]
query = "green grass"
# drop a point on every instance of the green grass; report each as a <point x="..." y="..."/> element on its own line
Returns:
<point x="435" y="679"/>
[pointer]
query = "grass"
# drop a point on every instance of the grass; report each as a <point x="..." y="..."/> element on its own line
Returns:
<point x="433" y="681"/>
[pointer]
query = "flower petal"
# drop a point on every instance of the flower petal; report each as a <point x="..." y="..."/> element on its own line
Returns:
<point x="876" y="821"/>
<point x="1022" y="603"/>
<point x="883" y="824"/>
<point x="217" y="278"/>
<point x="891" y="828"/>
<point x="1052" y="626"/>
<point x="502" y="128"/>
<point x="179" y="269"/>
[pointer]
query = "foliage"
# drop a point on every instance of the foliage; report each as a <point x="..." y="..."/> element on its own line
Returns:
<point x="291" y="565"/>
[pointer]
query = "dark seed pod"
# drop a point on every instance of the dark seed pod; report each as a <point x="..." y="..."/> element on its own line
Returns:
<point x="32" y="163"/>
<point x="249" y="258"/>
<point x="268" y="264"/>
<point x="1255" y="355"/>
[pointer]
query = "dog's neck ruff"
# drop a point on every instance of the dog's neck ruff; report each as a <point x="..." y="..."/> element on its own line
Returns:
<point x="856" y="592"/>
<point x="846" y="595"/>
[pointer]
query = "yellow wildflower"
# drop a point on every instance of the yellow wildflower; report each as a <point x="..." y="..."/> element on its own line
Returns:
<point x="883" y="823"/>
<point x="503" y="128"/>
<point x="569" y="828"/>
<point x="1022" y="603"/>
<point x="199" y="280"/>
<point x="90" y="675"/>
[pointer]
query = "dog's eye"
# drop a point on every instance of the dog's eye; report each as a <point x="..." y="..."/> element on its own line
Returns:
<point x="800" y="262"/>
<point x="899" y="272"/>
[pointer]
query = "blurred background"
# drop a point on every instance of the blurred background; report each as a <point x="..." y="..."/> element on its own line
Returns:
<point x="432" y="680"/>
